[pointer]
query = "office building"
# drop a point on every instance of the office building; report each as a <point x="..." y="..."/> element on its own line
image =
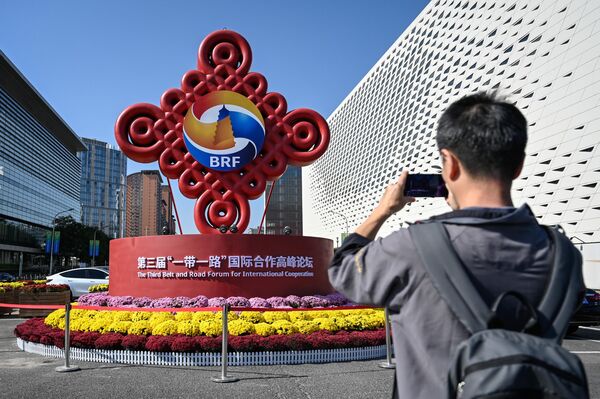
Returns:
<point x="103" y="189"/>
<point x="144" y="204"/>
<point x="167" y="216"/>
<point x="285" y="206"/>
<point x="39" y="169"/>
<point x="542" y="54"/>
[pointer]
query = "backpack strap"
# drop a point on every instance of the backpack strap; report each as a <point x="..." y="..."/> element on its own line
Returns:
<point x="449" y="276"/>
<point x="561" y="298"/>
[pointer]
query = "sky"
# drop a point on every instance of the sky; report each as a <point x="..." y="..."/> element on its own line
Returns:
<point x="91" y="59"/>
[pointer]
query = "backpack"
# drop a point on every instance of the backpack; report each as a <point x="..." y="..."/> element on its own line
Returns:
<point x="500" y="363"/>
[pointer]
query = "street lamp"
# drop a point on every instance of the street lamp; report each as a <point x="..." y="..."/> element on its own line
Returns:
<point x="94" y="245"/>
<point x="52" y="237"/>
<point x="345" y="218"/>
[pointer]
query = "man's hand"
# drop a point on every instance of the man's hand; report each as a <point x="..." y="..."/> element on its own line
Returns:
<point x="392" y="201"/>
<point x="393" y="198"/>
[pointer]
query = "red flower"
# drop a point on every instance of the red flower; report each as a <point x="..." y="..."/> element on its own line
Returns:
<point x="134" y="342"/>
<point x="184" y="344"/>
<point x="159" y="343"/>
<point x="84" y="339"/>
<point x="246" y="343"/>
<point x="109" y="341"/>
<point x="208" y="344"/>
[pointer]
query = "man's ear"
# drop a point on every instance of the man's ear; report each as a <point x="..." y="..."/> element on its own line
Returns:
<point x="519" y="169"/>
<point x="452" y="165"/>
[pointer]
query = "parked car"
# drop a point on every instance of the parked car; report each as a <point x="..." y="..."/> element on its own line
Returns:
<point x="588" y="313"/>
<point x="79" y="280"/>
<point x="6" y="277"/>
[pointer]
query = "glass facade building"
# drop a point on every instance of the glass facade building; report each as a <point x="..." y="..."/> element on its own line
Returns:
<point x="103" y="187"/>
<point x="285" y="206"/>
<point x="39" y="168"/>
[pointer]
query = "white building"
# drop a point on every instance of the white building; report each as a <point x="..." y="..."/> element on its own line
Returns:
<point x="542" y="54"/>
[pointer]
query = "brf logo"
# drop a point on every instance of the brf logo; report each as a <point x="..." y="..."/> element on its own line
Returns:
<point x="224" y="130"/>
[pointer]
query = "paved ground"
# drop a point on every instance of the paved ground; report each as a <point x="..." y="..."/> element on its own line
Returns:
<point x="24" y="375"/>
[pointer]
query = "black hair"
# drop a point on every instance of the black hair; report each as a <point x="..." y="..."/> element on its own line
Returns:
<point x="486" y="133"/>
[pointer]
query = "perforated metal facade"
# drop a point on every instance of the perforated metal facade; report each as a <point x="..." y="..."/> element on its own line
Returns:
<point x="543" y="55"/>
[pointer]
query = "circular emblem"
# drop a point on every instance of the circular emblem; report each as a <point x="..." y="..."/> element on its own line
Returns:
<point x="224" y="130"/>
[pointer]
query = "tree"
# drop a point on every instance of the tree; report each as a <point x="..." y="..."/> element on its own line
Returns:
<point x="75" y="240"/>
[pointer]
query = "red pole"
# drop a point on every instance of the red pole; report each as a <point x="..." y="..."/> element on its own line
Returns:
<point x="266" y="207"/>
<point x="174" y="206"/>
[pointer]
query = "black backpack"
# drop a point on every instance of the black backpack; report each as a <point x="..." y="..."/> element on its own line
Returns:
<point x="499" y="363"/>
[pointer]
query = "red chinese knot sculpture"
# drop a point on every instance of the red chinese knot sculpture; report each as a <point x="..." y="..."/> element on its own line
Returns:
<point x="147" y="133"/>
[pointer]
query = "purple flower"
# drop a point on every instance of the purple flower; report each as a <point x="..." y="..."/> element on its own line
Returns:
<point x="142" y="302"/>
<point x="314" y="301"/>
<point x="293" y="301"/>
<point x="217" y="301"/>
<point x="95" y="299"/>
<point x="180" y="302"/>
<point x="119" y="301"/>
<point x="199" y="301"/>
<point x="238" y="301"/>
<point x="165" y="302"/>
<point x="259" y="303"/>
<point x="278" y="302"/>
<point x="336" y="299"/>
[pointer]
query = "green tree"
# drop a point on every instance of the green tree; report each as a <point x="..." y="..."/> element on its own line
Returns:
<point x="75" y="240"/>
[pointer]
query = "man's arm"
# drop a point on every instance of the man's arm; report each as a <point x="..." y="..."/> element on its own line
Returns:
<point x="361" y="269"/>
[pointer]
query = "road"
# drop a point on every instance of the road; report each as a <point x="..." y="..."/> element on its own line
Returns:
<point x="24" y="375"/>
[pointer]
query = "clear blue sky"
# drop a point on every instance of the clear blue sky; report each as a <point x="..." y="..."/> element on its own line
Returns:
<point x="91" y="59"/>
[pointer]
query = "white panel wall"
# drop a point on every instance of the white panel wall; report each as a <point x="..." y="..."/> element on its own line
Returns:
<point x="544" y="55"/>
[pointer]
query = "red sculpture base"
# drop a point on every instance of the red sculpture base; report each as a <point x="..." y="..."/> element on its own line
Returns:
<point x="220" y="265"/>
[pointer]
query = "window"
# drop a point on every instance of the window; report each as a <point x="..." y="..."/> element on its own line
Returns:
<point x="74" y="274"/>
<point x="97" y="274"/>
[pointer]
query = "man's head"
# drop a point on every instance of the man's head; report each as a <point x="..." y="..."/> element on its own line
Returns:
<point x="482" y="141"/>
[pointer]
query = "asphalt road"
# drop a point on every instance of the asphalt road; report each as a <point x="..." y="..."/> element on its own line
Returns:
<point x="24" y="375"/>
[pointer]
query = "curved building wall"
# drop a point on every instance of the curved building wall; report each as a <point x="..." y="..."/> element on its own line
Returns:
<point x="542" y="54"/>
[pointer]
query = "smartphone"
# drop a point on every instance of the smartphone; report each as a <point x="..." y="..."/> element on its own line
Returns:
<point x="425" y="185"/>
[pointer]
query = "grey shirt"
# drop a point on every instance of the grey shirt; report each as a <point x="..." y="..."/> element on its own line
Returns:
<point x="502" y="249"/>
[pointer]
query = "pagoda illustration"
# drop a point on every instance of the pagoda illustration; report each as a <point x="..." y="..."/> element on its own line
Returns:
<point x="224" y="134"/>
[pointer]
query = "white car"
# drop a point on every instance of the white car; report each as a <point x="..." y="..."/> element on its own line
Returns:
<point x="79" y="280"/>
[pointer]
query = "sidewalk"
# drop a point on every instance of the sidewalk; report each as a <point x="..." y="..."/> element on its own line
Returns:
<point x="25" y="375"/>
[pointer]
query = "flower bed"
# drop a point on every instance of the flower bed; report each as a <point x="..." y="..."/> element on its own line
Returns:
<point x="98" y="288"/>
<point x="210" y="324"/>
<point x="291" y="301"/>
<point x="37" y="331"/>
<point x="34" y="292"/>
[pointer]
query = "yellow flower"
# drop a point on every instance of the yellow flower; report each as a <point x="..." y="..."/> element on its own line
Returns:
<point x="98" y="325"/>
<point x="271" y="317"/>
<point x="264" y="329"/>
<point x="139" y="316"/>
<point x="230" y="316"/>
<point x="240" y="327"/>
<point x="168" y="327"/>
<point x="141" y="327"/>
<point x="212" y="328"/>
<point x="55" y="318"/>
<point x="306" y="326"/>
<point x="202" y="316"/>
<point x="188" y="327"/>
<point x="159" y="317"/>
<point x="181" y="316"/>
<point x="284" y="327"/>
<point x="300" y="315"/>
<point x="122" y="316"/>
<point x="252" y="317"/>
<point x="327" y="324"/>
<point x="119" y="327"/>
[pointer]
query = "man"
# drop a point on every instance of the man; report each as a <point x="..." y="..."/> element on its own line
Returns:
<point x="482" y="144"/>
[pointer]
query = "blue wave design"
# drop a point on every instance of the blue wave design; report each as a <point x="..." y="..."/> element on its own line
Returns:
<point x="247" y="127"/>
